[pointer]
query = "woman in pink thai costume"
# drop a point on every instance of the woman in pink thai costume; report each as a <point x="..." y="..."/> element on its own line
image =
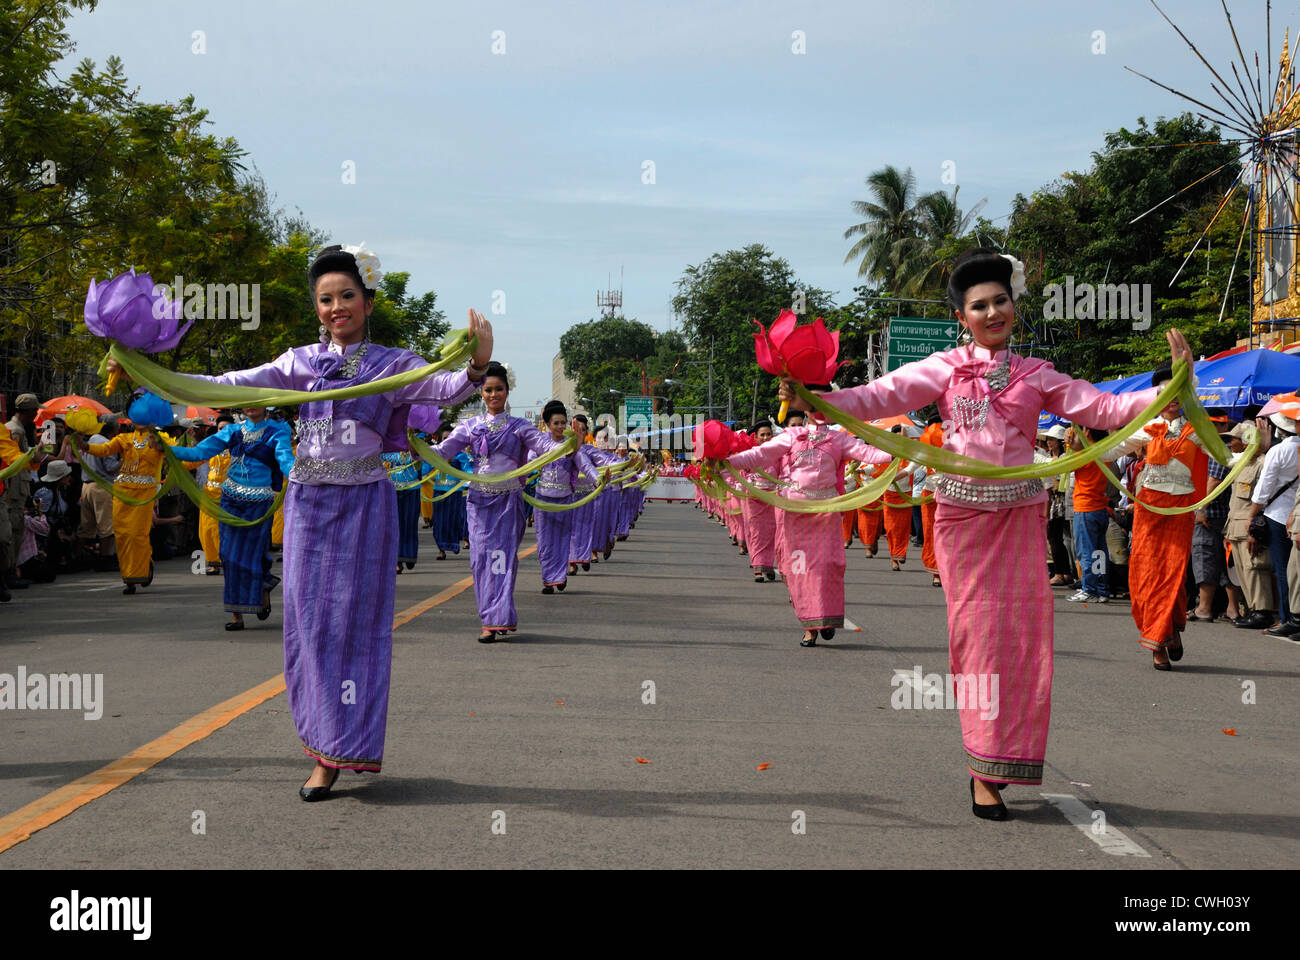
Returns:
<point x="989" y="533"/>
<point x="814" y="566"/>
<point x="760" y="518"/>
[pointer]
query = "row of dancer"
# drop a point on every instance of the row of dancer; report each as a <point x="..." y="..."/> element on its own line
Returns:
<point x="567" y="540"/>
<point x="753" y="524"/>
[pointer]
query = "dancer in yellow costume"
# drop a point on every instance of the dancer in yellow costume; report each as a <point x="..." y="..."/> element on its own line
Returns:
<point x="209" y="527"/>
<point x="140" y="473"/>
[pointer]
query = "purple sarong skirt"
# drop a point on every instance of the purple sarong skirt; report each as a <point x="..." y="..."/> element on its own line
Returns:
<point x="554" y="531"/>
<point x="340" y="551"/>
<point x="496" y="528"/>
<point x="580" y="532"/>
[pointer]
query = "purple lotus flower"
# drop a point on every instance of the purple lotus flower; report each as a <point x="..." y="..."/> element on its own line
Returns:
<point x="127" y="310"/>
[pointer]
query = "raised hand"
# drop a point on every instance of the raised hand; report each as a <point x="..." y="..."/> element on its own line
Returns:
<point x="1178" y="348"/>
<point x="479" y="327"/>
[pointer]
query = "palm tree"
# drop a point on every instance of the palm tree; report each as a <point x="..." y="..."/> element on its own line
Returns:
<point x="922" y="263"/>
<point x="890" y="219"/>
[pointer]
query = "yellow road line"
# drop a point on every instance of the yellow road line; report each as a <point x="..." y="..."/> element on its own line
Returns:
<point x="54" y="806"/>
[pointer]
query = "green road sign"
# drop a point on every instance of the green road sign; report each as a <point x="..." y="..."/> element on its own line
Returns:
<point x="638" y="413"/>
<point x="912" y="338"/>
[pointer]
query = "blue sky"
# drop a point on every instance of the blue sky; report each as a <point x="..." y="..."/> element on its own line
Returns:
<point x="522" y="171"/>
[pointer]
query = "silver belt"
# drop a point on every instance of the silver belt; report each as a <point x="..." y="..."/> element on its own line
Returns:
<point x="140" y="478"/>
<point x="561" y="488"/>
<point x="310" y="469"/>
<point x="496" y="489"/>
<point x="816" y="494"/>
<point x="239" y="491"/>
<point x="956" y="489"/>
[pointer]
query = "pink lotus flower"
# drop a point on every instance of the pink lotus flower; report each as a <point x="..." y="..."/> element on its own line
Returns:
<point x="713" y="440"/>
<point x="809" y="354"/>
<point x="741" y="441"/>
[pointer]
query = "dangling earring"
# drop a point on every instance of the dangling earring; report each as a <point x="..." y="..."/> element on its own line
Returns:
<point x="324" y="334"/>
<point x="965" y="336"/>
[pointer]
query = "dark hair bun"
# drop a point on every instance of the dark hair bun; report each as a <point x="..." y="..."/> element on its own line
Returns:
<point x="973" y="267"/>
<point x="551" y="409"/>
<point x="495" y="369"/>
<point x="334" y="259"/>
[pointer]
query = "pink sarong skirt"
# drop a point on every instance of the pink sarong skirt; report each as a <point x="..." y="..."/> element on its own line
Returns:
<point x="811" y="555"/>
<point x="991" y="563"/>
<point x="760" y="532"/>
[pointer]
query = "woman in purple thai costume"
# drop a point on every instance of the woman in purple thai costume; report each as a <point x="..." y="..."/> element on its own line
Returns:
<point x="340" y="546"/>
<point x="584" y="517"/>
<point x="607" y="504"/>
<point x="498" y="443"/>
<point x="557" y="485"/>
<point x="621" y="522"/>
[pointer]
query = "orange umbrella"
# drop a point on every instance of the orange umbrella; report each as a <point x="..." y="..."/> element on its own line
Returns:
<point x="63" y="405"/>
<point x="884" y="423"/>
<point x="205" y="414"/>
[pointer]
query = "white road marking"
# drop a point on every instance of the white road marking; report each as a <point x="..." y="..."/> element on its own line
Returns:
<point x="1081" y="815"/>
<point x="910" y="678"/>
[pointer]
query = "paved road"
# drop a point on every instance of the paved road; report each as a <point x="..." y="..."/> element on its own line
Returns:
<point x="523" y="754"/>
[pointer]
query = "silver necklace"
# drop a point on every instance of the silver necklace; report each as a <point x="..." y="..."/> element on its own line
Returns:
<point x="352" y="365"/>
<point x="999" y="376"/>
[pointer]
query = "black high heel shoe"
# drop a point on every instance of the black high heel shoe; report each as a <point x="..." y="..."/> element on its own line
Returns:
<point x="809" y="641"/>
<point x="987" y="811"/>
<point x="312" y="794"/>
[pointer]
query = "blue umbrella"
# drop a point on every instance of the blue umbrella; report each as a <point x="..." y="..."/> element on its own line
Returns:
<point x="1048" y="420"/>
<point x="1248" y="379"/>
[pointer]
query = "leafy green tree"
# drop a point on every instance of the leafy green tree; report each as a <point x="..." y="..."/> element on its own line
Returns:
<point x="1111" y="224"/>
<point x="608" y="354"/>
<point x="924" y="260"/>
<point x="717" y="300"/>
<point x="1194" y="304"/>
<point x="890" y="223"/>
<point x="90" y="179"/>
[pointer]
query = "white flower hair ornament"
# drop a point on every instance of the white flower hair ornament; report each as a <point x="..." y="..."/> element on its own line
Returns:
<point x="367" y="264"/>
<point x="510" y="376"/>
<point x="1018" y="285"/>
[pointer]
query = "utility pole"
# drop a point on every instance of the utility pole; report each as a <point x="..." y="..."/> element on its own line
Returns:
<point x="710" y="378"/>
